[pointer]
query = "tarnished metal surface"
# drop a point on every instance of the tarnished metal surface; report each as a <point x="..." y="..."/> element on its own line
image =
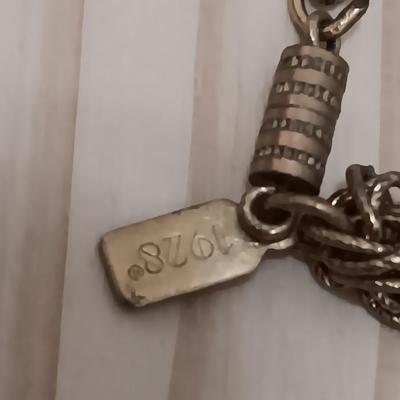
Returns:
<point x="344" y="21"/>
<point x="296" y="135"/>
<point x="179" y="253"/>
<point x="351" y="242"/>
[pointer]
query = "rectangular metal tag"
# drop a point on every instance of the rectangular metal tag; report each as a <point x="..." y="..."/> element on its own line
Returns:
<point x="178" y="253"/>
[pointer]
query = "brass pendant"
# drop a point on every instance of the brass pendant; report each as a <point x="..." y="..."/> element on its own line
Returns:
<point x="180" y="252"/>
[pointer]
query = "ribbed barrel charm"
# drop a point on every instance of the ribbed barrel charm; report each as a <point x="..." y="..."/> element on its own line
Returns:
<point x="296" y="135"/>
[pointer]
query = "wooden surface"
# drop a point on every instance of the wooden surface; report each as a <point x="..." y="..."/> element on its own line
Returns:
<point x="39" y="65"/>
<point x="388" y="368"/>
<point x="116" y="111"/>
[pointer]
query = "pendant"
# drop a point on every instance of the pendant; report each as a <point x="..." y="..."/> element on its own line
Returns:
<point x="178" y="253"/>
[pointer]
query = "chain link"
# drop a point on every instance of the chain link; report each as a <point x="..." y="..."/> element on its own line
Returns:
<point x="350" y="241"/>
<point x="315" y="22"/>
<point x="330" y="30"/>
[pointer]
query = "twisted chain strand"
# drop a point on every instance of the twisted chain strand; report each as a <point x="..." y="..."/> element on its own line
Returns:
<point x="352" y="241"/>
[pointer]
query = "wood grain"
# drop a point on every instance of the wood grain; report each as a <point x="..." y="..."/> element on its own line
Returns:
<point x="388" y="368"/>
<point x="39" y="65"/>
<point x="131" y="162"/>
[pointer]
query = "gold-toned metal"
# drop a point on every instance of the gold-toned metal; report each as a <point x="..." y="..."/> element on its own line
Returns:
<point x="296" y="135"/>
<point x="277" y="233"/>
<point x="179" y="253"/>
<point x="344" y="21"/>
<point x="351" y="241"/>
<point x="366" y="259"/>
<point x="310" y="206"/>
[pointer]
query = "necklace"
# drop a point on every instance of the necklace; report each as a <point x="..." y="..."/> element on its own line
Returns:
<point x="350" y="241"/>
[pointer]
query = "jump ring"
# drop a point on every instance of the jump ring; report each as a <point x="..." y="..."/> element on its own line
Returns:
<point x="260" y="230"/>
<point x="315" y="21"/>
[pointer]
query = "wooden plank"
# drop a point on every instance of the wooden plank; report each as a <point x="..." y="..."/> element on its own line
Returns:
<point x="131" y="162"/>
<point x="388" y="369"/>
<point x="39" y="74"/>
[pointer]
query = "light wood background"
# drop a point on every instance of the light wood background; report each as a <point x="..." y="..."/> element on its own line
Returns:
<point x="116" y="110"/>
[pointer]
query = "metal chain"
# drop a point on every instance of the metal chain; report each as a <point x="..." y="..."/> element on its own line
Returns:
<point x="315" y="22"/>
<point x="333" y="29"/>
<point x="350" y="241"/>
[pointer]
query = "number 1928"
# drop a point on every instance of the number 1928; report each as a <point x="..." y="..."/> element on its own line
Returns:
<point x="201" y="248"/>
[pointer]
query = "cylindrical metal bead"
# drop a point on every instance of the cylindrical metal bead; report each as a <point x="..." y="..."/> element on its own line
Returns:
<point x="304" y="104"/>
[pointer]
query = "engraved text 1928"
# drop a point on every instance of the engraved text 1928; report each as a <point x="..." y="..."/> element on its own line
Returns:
<point x="179" y="253"/>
